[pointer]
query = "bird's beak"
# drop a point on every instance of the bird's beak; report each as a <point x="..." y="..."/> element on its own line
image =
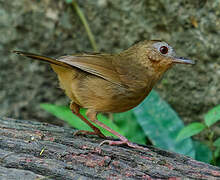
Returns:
<point x="182" y="60"/>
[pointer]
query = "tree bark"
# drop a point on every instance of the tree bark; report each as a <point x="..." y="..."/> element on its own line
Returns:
<point x="30" y="150"/>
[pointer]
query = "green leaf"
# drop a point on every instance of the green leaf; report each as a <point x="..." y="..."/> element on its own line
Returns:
<point x="203" y="153"/>
<point x="64" y="113"/>
<point x="161" y="125"/>
<point x="217" y="152"/>
<point x="212" y="116"/>
<point x="217" y="142"/>
<point x="190" y="130"/>
<point x="69" y="1"/>
<point x="127" y="122"/>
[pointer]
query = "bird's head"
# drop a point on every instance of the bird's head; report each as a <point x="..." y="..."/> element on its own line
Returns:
<point x="158" y="55"/>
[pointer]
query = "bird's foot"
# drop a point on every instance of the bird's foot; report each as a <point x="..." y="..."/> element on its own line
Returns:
<point x="126" y="142"/>
<point x="83" y="132"/>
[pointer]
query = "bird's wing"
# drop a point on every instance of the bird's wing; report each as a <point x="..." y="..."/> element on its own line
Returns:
<point x="97" y="64"/>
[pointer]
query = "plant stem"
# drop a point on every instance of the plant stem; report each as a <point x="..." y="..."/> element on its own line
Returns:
<point x="86" y="25"/>
<point x="210" y="136"/>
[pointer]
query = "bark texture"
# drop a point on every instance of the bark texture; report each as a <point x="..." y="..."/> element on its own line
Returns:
<point x="31" y="150"/>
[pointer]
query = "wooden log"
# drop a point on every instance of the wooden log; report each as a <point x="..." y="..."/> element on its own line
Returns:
<point x="31" y="150"/>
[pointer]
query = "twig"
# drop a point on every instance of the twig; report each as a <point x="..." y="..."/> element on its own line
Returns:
<point x="86" y="25"/>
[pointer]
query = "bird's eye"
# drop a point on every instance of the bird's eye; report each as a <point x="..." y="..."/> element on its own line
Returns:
<point x="164" y="49"/>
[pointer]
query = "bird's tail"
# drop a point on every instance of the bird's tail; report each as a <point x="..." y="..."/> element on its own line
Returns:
<point x="42" y="58"/>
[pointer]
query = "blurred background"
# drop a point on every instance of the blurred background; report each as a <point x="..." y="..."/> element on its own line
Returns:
<point x="54" y="28"/>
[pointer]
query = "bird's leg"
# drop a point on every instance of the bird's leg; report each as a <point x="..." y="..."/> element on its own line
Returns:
<point x="92" y="115"/>
<point x="75" y="110"/>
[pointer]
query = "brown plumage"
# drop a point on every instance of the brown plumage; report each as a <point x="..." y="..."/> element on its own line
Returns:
<point x="111" y="82"/>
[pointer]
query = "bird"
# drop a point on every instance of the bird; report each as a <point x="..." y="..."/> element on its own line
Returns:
<point x="111" y="83"/>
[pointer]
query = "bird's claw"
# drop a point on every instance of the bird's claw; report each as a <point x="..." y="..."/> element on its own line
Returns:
<point x="83" y="132"/>
<point x="126" y="142"/>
